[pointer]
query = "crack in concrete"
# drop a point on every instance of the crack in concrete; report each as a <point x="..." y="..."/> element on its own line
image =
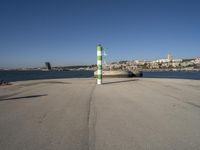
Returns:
<point x="91" y="121"/>
<point x="193" y="104"/>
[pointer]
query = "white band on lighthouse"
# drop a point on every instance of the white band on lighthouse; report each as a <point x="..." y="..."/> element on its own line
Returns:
<point x="99" y="64"/>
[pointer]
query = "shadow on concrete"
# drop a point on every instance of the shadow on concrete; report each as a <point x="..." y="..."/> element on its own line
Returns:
<point x="114" y="82"/>
<point x="23" y="97"/>
<point x="44" y="82"/>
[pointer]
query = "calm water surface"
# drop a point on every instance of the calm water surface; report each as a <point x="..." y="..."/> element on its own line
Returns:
<point x="12" y="76"/>
<point x="171" y="74"/>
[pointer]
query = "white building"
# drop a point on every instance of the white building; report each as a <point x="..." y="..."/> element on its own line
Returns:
<point x="162" y="61"/>
<point x="177" y="60"/>
<point x="140" y="62"/>
<point x="197" y="60"/>
<point x="168" y="60"/>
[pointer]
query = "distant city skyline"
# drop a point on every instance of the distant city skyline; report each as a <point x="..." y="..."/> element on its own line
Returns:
<point x="67" y="32"/>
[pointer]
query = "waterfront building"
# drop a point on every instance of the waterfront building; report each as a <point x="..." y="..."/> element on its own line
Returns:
<point x="169" y="57"/>
<point x="177" y="60"/>
<point x="167" y="60"/>
<point x="187" y="64"/>
<point x="197" y="60"/>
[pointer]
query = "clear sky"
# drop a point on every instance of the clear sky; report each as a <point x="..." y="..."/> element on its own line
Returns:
<point x="67" y="32"/>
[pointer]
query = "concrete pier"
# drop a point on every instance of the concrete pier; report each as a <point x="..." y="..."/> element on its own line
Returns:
<point x="122" y="114"/>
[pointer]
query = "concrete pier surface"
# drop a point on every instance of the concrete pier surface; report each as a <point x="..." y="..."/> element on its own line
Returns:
<point x="121" y="114"/>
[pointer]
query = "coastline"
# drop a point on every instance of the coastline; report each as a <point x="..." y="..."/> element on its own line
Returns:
<point x="171" y="70"/>
<point x="11" y="76"/>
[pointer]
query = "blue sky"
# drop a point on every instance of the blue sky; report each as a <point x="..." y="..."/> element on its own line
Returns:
<point x="67" y="32"/>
